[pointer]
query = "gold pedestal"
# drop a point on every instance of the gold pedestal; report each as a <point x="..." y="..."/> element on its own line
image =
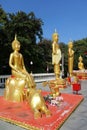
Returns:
<point x="55" y="86"/>
<point x="80" y="74"/>
<point x="14" y="89"/>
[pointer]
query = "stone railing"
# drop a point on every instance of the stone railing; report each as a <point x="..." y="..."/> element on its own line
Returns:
<point x="41" y="77"/>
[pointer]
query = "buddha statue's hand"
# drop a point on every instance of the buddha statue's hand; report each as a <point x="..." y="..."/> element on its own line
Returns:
<point x="19" y="72"/>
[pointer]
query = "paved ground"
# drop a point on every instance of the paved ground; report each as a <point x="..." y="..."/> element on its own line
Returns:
<point x="76" y="121"/>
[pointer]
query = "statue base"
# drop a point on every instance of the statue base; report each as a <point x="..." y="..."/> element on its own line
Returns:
<point x="55" y="86"/>
<point x="20" y="113"/>
<point x="81" y="74"/>
<point x="14" y="89"/>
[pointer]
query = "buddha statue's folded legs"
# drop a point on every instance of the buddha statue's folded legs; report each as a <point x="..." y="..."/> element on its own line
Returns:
<point x="26" y="76"/>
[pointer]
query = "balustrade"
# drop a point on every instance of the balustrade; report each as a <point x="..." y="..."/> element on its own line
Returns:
<point x="41" y="77"/>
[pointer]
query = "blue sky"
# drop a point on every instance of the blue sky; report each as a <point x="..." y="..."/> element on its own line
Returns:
<point x="69" y="17"/>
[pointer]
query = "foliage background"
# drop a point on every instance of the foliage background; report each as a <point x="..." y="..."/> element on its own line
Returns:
<point x="34" y="47"/>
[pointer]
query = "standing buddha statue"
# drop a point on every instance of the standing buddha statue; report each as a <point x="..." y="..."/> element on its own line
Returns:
<point x="70" y="58"/>
<point x="58" y="82"/>
<point x="56" y="55"/>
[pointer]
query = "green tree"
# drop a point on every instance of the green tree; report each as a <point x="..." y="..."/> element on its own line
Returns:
<point x="28" y="29"/>
<point x="46" y="46"/>
<point x="64" y="51"/>
<point x="3" y="42"/>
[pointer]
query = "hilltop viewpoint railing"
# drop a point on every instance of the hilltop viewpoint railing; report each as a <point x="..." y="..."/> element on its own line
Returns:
<point x="41" y="77"/>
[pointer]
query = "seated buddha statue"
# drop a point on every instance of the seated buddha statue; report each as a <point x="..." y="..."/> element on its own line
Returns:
<point x="80" y="63"/>
<point x="20" y="77"/>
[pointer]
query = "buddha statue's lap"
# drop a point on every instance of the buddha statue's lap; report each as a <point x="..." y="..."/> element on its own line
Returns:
<point x="25" y="76"/>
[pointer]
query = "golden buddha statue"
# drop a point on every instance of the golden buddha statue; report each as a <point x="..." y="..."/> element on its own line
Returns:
<point x="54" y="85"/>
<point x="20" y="77"/>
<point x="17" y="64"/>
<point x="56" y="55"/>
<point x="80" y="63"/>
<point x="70" y="57"/>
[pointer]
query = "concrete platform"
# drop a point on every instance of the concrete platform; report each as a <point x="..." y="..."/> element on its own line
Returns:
<point x="76" y="121"/>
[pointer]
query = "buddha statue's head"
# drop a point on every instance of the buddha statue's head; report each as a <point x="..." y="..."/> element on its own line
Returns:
<point x="15" y="44"/>
<point x="55" y="36"/>
<point x="70" y="44"/>
<point x="80" y="58"/>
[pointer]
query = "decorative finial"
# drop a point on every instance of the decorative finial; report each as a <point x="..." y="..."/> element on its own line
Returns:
<point x="55" y="30"/>
<point x="70" y="39"/>
<point x="15" y="36"/>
